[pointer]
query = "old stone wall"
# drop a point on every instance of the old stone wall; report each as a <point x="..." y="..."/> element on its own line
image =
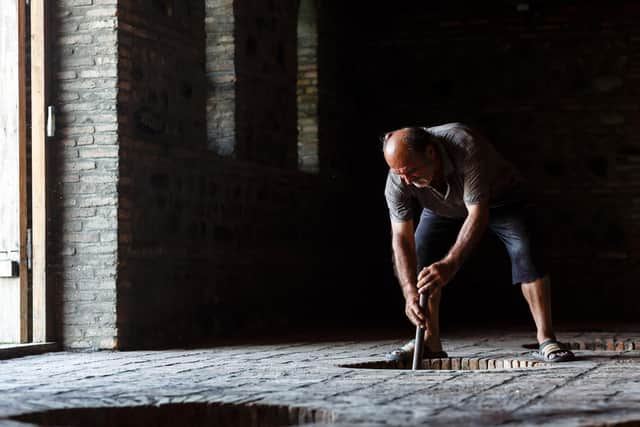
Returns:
<point x="161" y="111"/>
<point x="177" y="212"/>
<point x="251" y="66"/>
<point x="83" y="173"/>
<point x="265" y="57"/>
<point x="176" y="216"/>
<point x="209" y="245"/>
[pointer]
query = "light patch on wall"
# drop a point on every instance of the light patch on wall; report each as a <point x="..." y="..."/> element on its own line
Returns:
<point x="307" y="87"/>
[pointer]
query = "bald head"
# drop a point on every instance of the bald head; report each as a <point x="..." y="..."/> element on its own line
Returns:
<point x="409" y="141"/>
<point x="410" y="153"/>
<point x="395" y="147"/>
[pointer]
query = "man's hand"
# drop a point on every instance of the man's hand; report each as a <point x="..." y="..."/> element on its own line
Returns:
<point x="413" y="311"/>
<point x="435" y="276"/>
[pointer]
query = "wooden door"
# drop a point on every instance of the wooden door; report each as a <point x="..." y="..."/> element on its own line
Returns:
<point x="13" y="187"/>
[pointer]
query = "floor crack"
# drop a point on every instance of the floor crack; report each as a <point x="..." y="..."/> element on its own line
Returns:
<point x="479" y="392"/>
<point x="554" y="388"/>
<point x="385" y="402"/>
<point x="370" y="385"/>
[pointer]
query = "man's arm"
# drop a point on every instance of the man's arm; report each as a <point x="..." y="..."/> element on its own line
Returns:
<point x="404" y="254"/>
<point x="440" y="273"/>
<point x="472" y="229"/>
<point x="404" y="260"/>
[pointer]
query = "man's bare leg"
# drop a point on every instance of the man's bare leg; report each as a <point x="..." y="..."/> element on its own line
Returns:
<point x="538" y="295"/>
<point x="432" y="340"/>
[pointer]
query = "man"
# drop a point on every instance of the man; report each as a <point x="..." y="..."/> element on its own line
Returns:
<point x="464" y="186"/>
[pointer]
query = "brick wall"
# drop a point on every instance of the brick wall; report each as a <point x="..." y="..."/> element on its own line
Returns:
<point x="193" y="210"/>
<point x="307" y="90"/>
<point x="161" y="111"/>
<point x="265" y="56"/>
<point x="172" y="218"/>
<point x="173" y="172"/>
<point x="250" y="66"/>
<point x="83" y="174"/>
<point x="209" y="245"/>
<point x="554" y="85"/>
<point x="221" y="76"/>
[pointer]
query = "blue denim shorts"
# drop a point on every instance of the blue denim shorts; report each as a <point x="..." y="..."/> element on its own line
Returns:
<point x="513" y="224"/>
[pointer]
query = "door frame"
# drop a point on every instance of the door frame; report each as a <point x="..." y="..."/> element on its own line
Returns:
<point x="39" y="169"/>
<point x="22" y="155"/>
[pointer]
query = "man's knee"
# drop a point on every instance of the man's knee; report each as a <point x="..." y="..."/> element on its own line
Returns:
<point x="520" y="251"/>
<point x="526" y="262"/>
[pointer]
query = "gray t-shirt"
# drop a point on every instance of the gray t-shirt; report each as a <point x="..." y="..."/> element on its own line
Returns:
<point x="473" y="170"/>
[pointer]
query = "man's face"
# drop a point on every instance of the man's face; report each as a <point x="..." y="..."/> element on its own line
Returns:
<point x="417" y="169"/>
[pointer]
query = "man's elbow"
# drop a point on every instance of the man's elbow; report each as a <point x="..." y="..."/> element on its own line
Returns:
<point x="479" y="213"/>
<point x="399" y="241"/>
<point x="402" y="241"/>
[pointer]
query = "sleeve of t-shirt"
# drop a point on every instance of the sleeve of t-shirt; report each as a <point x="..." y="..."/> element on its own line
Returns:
<point x="476" y="173"/>
<point x="398" y="200"/>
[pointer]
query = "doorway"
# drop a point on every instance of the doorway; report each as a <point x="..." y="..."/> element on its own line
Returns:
<point x="22" y="171"/>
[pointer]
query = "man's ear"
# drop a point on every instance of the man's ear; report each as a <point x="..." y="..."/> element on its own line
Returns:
<point x="430" y="152"/>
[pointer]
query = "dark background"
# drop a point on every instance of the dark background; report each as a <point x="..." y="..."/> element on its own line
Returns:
<point x="554" y="86"/>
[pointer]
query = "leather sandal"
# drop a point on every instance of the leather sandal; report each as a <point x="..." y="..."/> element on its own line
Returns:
<point x="547" y="349"/>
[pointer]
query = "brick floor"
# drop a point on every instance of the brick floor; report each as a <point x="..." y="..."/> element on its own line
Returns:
<point x="602" y="386"/>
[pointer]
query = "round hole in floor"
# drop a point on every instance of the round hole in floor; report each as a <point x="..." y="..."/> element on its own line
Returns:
<point x="191" y="414"/>
<point x="453" y="363"/>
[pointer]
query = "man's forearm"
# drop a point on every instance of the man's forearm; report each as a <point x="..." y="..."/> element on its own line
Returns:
<point x="468" y="236"/>
<point x="404" y="261"/>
